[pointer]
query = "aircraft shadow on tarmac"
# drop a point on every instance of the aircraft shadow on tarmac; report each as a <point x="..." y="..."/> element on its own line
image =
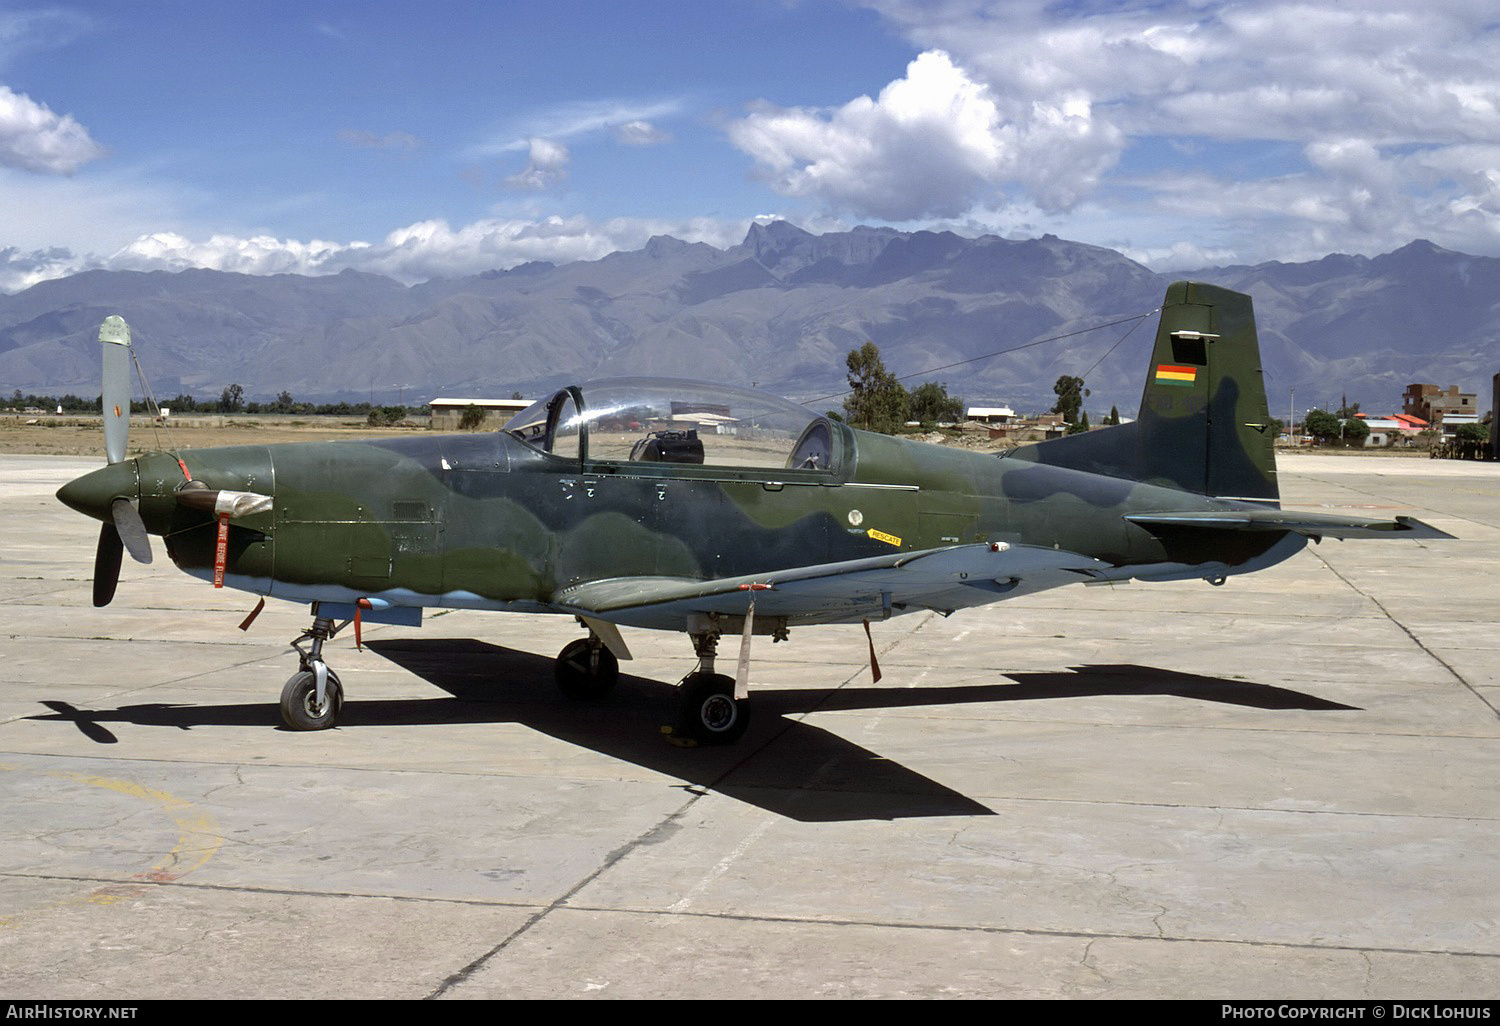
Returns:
<point x="784" y="765"/>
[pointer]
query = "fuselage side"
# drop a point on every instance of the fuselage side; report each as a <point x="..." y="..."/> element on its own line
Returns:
<point x="488" y="521"/>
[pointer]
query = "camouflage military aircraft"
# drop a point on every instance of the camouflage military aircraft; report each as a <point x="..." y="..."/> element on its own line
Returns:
<point x="713" y="510"/>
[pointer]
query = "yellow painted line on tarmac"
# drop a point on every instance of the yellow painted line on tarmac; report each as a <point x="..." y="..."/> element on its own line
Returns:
<point x="199" y="839"/>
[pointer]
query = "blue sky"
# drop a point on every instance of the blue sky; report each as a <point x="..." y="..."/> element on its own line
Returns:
<point x="422" y="139"/>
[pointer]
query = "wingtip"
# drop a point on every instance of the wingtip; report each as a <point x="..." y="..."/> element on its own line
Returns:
<point x="1415" y="528"/>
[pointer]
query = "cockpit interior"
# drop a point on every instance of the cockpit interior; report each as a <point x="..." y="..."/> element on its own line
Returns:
<point x="659" y="420"/>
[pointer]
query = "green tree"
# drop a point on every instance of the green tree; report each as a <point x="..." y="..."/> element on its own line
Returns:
<point x="877" y="402"/>
<point x="1322" y="426"/>
<point x="383" y="416"/>
<point x="1070" y="396"/>
<point x="472" y="418"/>
<point x="1114" y="417"/>
<point x="931" y="404"/>
<point x="1354" y="431"/>
<point x="232" y="399"/>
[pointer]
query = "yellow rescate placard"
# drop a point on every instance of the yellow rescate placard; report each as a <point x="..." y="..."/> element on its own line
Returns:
<point x="889" y="539"/>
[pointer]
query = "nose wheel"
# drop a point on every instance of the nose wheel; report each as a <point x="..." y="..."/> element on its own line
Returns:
<point x="301" y="706"/>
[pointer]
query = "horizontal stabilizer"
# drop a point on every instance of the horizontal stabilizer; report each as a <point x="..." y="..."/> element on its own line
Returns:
<point x="1313" y="525"/>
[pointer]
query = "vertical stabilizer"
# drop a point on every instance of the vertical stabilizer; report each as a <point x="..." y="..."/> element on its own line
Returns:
<point x="1204" y="425"/>
<point x="1204" y="422"/>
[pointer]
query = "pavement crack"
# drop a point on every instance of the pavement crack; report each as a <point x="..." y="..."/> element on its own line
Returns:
<point x="1410" y="634"/>
<point x="646" y="838"/>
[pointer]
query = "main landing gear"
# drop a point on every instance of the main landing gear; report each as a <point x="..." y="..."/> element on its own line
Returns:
<point x="586" y="668"/>
<point x="313" y="695"/>
<point x="708" y="713"/>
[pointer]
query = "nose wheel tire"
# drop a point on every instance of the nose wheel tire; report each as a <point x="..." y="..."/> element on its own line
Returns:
<point x="299" y="701"/>
<point x="710" y="714"/>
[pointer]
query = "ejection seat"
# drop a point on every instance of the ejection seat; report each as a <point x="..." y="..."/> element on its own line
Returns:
<point x="668" y="447"/>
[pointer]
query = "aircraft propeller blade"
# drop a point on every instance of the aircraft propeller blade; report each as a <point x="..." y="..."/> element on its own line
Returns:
<point x="114" y="337"/>
<point x="107" y="564"/>
<point x="130" y="530"/>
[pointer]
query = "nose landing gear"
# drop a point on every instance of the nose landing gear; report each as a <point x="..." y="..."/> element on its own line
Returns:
<point x="314" y="694"/>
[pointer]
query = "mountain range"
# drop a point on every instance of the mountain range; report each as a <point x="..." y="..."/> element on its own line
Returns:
<point x="780" y="310"/>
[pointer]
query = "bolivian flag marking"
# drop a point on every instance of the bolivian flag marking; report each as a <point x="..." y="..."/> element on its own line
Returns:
<point x="1171" y="374"/>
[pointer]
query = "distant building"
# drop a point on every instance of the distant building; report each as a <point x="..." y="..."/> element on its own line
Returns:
<point x="446" y="413"/>
<point x="1384" y="431"/>
<point x="1434" y="404"/>
<point x="1453" y="421"/>
<point x="1052" y="425"/>
<point x="991" y="414"/>
<point x="1400" y="428"/>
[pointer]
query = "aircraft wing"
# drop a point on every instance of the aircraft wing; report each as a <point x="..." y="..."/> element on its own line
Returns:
<point x="942" y="579"/>
<point x="1312" y="525"/>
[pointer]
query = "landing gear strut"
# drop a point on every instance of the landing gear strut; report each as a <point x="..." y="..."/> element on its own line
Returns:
<point x="708" y="712"/>
<point x="313" y="695"/>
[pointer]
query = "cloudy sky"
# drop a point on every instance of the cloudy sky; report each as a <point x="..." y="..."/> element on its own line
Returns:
<point x="436" y="138"/>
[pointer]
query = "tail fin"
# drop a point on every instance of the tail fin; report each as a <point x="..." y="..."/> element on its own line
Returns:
<point x="1204" y="425"/>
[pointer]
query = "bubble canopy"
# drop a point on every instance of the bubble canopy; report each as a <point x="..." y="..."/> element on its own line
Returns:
<point x="665" y="420"/>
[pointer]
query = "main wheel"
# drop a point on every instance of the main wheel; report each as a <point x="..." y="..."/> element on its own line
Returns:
<point x="299" y="701"/>
<point x="711" y="715"/>
<point x="583" y="670"/>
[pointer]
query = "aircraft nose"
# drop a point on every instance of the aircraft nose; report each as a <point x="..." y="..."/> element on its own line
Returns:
<point x="93" y="493"/>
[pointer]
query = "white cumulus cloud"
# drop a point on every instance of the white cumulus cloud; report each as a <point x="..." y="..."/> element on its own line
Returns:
<point x="413" y="253"/>
<point x="35" y="138"/>
<point x="932" y="144"/>
<point x="259" y="254"/>
<point x="546" y="165"/>
<point x="19" y="270"/>
<point x="1297" y="123"/>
